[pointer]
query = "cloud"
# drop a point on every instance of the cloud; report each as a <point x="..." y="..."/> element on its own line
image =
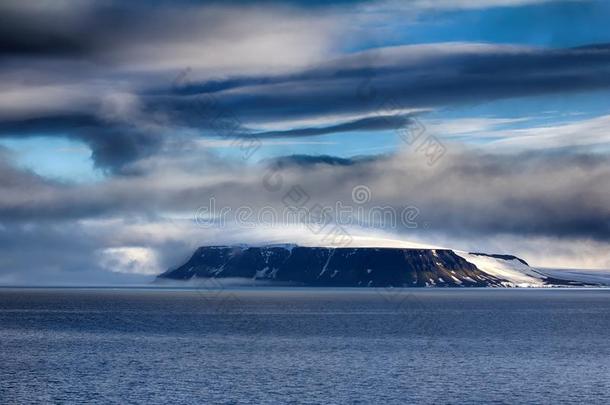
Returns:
<point x="311" y="160"/>
<point x="143" y="222"/>
<point x="125" y="112"/>
<point x="55" y="254"/>
<point x="474" y="126"/>
<point x="260" y="69"/>
<point x="465" y="193"/>
<point x="129" y="259"/>
<point x="112" y="143"/>
<point x="462" y="4"/>
<point x="84" y="69"/>
<point x="580" y="133"/>
<point x="418" y="76"/>
<point x="144" y="36"/>
<point x="375" y="123"/>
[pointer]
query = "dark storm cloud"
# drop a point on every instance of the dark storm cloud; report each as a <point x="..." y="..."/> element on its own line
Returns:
<point x="379" y="123"/>
<point x="117" y="32"/>
<point x="311" y="160"/>
<point x="403" y="77"/>
<point x="90" y="28"/>
<point x="112" y="144"/>
<point x="26" y="30"/>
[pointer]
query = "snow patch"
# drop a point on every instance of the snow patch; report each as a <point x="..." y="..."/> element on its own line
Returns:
<point x="261" y="273"/>
<point x="513" y="271"/>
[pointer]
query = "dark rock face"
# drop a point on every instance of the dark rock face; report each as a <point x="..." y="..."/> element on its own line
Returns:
<point x="321" y="266"/>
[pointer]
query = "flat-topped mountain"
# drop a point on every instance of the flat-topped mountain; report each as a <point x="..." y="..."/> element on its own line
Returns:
<point x="361" y="267"/>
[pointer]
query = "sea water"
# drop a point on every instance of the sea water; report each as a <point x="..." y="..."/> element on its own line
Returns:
<point x="311" y="346"/>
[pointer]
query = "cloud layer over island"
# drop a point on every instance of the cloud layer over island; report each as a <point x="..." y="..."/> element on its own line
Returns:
<point x="180" y="102"/>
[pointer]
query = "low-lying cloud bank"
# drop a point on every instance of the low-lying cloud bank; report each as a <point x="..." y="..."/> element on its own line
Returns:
<point x="467" y="191"/>
<point x="468" y="199"/>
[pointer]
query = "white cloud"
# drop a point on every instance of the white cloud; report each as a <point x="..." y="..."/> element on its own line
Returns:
<point x="587" y="132"/>
<point x="461" y="126"/>
<point x="130" y="259"/>
<point x="225" y="41"/>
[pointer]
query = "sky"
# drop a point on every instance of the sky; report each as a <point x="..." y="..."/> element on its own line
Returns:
<point x="133" y="132"/>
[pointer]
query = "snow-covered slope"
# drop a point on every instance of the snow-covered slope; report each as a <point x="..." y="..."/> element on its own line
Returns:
<point x="584" y="276"/>
<point x="514" y="271"/>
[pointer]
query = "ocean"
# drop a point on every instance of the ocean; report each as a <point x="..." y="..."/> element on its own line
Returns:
<point x="304" y="346"/>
